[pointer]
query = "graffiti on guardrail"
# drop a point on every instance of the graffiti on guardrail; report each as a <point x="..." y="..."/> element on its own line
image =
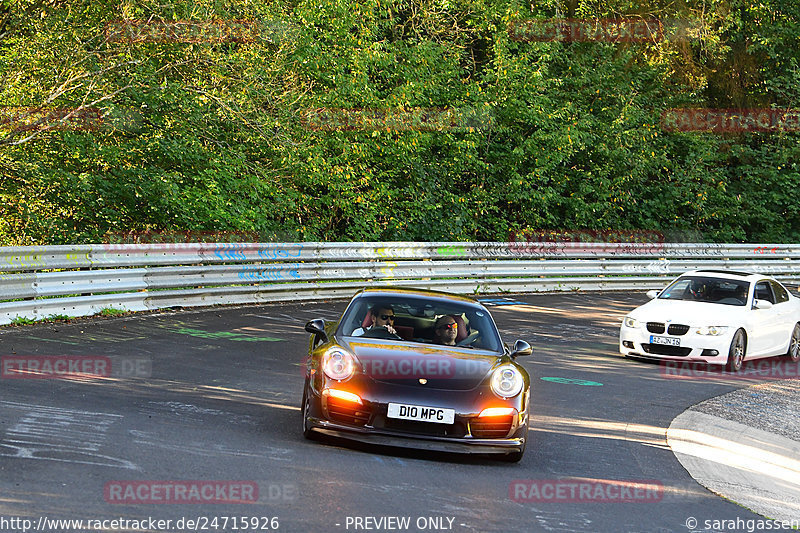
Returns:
<point x="279" y="251"/>
<point x="450" y="251"/>
<point x="78" y="258"/>
<point x="270" y="273"/>
<point x="763" y="269"/>
<point x="227" y="246"/>
<point x="388" y="269"/>
<point x="24" y="262"/>
<point x="765" y="250"/>
<point x="230" y="252"/>
<point x="656" y="267"/>
<point x="560" y="242"/>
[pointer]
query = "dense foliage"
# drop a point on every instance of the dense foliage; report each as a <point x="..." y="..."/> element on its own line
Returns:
<point x="248" y="134"/>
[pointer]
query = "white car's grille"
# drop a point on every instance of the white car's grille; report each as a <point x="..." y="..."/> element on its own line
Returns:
<point x="673" y="329"/>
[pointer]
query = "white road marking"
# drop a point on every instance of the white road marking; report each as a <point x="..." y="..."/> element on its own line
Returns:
<point x="57" y="434"/>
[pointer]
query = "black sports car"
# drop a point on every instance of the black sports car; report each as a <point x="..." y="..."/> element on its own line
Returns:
<point x="416" y="368"/>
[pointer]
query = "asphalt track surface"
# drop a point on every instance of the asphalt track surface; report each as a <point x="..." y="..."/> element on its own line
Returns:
<point x="216" y="396"/>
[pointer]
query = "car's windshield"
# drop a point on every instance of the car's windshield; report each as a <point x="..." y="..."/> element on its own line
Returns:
<point x="705" y="289"/>
<point x="420" y="319"/>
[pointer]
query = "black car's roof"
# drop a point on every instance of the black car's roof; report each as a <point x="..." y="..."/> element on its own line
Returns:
<point x="419" y="293"/>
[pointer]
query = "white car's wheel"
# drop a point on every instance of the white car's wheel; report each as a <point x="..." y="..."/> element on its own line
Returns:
<point x="794" y="345"/>
<point x="736" y="352"/>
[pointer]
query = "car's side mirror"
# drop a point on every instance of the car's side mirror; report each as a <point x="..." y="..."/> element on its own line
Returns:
<point x="317" y="327"/>
<point x="653" y="293"/>
<point x="762" y="304"/>
<point x="521" y="348"/>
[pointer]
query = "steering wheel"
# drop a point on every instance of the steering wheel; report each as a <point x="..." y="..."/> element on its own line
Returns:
<point x="380" y="332"/>
<point x="469" y="338"/>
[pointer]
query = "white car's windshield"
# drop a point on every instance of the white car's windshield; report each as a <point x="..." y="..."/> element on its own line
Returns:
<point x="705" y="289"/>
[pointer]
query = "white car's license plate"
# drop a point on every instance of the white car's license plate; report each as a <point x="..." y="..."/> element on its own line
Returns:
<point x="664" y="340"/>
<point x="421" y="414"/>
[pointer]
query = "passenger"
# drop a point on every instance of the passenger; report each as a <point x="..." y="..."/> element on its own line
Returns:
<point x="445" y="330"/>
<point x="382" y="315"/>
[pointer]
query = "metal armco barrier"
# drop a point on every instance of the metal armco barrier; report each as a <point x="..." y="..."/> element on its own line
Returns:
<point x="81" y="280"/>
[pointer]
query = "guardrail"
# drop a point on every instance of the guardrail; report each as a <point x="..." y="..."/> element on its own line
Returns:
<point x="81" y="280"/>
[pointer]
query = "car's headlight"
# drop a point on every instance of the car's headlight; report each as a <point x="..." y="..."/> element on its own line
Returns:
<point x="712" y="330"/>
<point x="338" y="364"/>
<point x="507" y="381"/>
<point x="630" y="322"/>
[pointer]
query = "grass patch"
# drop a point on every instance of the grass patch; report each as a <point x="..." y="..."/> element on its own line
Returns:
<point x="56" y="318"/>
<point x="111" y="311"/>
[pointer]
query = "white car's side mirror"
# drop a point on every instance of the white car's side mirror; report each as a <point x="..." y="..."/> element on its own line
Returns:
<point x="653" y="293"/>
<point x="762" y="304"/>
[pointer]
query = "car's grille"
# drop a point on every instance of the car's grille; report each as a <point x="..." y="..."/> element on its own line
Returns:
<point x="421" y="428"/>
<point x="677" y="329"/>
<point x="673" y="329"/>
<point x="347" y="412"/>
<point x="660" y="349"/>
<point x="491" y="427"/>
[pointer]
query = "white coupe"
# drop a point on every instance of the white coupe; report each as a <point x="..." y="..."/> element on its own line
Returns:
<point x="716" y="317"/>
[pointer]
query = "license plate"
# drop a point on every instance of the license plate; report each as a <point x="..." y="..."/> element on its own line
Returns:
<point x="421" y="414"/>
<point x="664" y="340"/>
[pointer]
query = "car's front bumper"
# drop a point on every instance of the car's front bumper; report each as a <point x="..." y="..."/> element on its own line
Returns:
<point x="712" y="349"/>
<point x="368" y="422"/>
<point x="370" y="435"/>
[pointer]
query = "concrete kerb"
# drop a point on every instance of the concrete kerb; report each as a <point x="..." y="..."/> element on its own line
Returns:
<point x="756" y="468"/>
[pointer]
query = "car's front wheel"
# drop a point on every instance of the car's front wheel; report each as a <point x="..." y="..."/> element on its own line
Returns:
<point x="736" y="352"/>
<point x="794" y="344"/>
<point x="307" y="433"/>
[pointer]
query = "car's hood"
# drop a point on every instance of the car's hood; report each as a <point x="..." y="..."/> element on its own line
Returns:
<point x="443" y="367"/>
<point x="688" y="312"/>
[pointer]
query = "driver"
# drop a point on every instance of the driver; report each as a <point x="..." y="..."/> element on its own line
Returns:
<point x="445" y="330"/>
<point x="699" y="290"/>
<point x="382" y="317"/>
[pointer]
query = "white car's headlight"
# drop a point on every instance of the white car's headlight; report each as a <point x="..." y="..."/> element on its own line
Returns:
<point x="712" y="330"/>
<point x="630" y="322"/>
<point x="507" y="381"/>
<point x="338" y="364"/>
